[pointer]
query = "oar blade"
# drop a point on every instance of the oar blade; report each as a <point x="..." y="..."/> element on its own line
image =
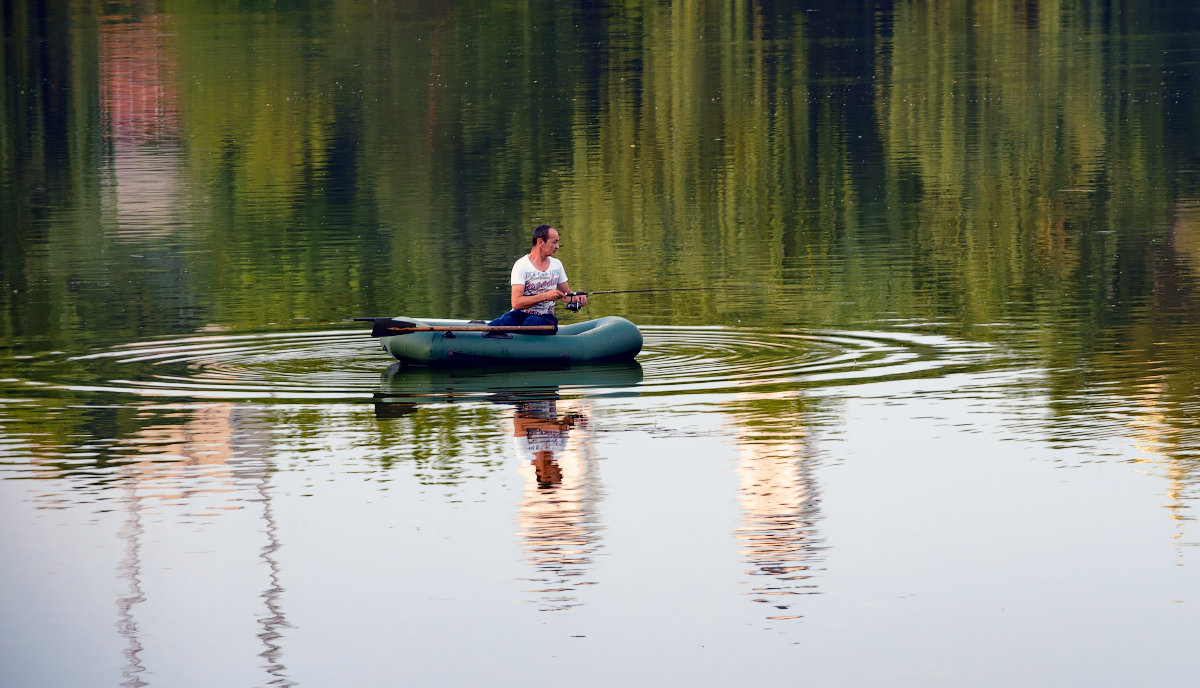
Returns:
<point x="386" y="327"/>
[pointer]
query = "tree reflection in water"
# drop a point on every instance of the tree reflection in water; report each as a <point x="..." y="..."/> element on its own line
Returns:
<point x="130" y="569"/>
<point x="190" y="463"/>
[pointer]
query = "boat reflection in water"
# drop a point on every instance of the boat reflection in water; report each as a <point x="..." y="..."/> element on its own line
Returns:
<point x="558" y="522"/>
<point x="404" y="384"/>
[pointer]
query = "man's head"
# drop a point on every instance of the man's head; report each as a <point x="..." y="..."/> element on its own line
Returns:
<point x="545" y="239"/>
<point x="542" y="233"/>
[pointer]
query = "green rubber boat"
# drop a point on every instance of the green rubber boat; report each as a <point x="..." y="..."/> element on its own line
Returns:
<point x="438" y="342"/>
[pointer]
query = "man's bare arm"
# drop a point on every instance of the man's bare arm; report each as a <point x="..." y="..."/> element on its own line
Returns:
<point x="519" y="300"/>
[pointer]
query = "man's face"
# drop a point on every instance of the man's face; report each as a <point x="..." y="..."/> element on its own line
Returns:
<point x="551" y="243"/>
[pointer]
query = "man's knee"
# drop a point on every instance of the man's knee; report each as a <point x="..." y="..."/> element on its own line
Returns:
<point x="542" y="320"/>
<point x="518" y="318"/>
<point x="509" y="319"/>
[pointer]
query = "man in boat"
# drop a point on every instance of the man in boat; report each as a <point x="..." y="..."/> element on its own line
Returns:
<point x="538" y="282"/>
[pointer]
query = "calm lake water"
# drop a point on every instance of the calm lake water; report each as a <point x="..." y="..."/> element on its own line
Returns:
<point x="935" y="419"/>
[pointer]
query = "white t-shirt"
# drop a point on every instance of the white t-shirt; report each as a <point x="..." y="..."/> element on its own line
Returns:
<point x="537" y="281"/>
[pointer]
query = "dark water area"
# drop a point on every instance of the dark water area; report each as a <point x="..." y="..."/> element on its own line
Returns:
<point x="929" y="418"/>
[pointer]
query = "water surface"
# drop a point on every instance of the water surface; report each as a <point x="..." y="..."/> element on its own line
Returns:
<point x="936" y="425"/>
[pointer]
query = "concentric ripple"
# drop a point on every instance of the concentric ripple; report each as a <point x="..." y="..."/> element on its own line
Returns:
<point x="349" y="365"/>
<point x="703" y="359"/>
<point x="329" y="364"/>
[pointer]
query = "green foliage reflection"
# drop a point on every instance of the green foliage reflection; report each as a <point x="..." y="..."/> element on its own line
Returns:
<point x="965" y="162"/>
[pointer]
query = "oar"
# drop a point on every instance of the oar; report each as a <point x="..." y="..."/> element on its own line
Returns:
<point x="387" y="327"/>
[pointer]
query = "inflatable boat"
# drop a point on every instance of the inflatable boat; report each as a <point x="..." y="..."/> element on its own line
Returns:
<point x="434" y="342"/>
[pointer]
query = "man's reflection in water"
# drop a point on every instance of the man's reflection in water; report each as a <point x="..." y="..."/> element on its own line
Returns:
<point x="558" y="509"/>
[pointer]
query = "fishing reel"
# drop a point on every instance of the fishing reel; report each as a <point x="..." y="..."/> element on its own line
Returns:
<point x="574" y="306"/>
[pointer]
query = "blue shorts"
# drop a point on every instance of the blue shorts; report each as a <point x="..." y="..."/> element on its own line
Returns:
<point x="519" y="318"/>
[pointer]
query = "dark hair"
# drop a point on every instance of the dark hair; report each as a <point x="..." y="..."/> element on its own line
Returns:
<point x="541" y="232"/>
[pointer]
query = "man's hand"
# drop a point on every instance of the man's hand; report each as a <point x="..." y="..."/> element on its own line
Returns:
<point x="575" y="302"/>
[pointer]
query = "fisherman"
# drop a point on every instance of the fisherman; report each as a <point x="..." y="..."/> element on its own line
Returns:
<point x="538" y="282"/>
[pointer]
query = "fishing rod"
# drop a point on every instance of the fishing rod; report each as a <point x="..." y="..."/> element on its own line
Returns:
<point x="384" y="327"/>
<point x="575" y="306"/>
<point x="631" y="291"/>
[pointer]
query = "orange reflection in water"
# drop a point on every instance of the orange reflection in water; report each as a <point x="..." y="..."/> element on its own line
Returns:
<point x="780" y="505"/>
<point x="139" y="105"/>
<point x="187" y="458"/>
<point x="137" y="77"/>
